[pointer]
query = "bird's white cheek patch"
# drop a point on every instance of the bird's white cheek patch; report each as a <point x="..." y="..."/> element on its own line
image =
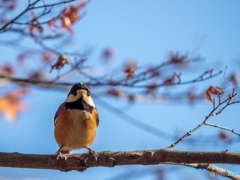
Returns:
<point x="90" y="101"/>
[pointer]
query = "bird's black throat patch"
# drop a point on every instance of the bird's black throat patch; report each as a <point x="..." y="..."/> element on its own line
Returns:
<point x="79" y="104"/>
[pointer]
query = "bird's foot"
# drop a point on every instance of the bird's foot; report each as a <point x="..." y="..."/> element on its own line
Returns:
<point x="92" y="153"/>
<point x="61" y="156"/>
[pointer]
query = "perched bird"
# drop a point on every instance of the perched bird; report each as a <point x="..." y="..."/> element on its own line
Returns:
<point x="76" y="121"/>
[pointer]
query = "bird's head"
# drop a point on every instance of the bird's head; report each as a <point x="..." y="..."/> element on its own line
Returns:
<point x="80" y="90"/>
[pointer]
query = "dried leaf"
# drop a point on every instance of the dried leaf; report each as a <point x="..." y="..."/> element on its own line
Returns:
<point x="176" y="59"/>
<point x="24" y="55"/>
<point x="191" y="95"/>
<point x="151" y="89"/>
<point x="47" y="56"/>
<point x="208" y="95"/>
<point x="153" y="71"/>
<point x="35" y="28"/>
<point x="108" y="54"/>
<point x="66" y="23"/>
<point x="11" y="104"/>
<point x="37" y="75"/>
<point x="213" y="90"/>
<point x="115" y="92"/>
<point x="71" y="15"/>
<point x="234" y="79"/>
<point x="73" y="11"/>
<point x="132" y="97"/>
<point x="216" y="90"/>
<point x="82" y="4"/>
<point x="62" y="60"/>
<point x="130" y="70"/>
<point x="6" y="70"/>
<point x="10" y="5"/>
<point x="51" y="22"/>
<point x="171" y="80"/>
<point x="223" y="136"/>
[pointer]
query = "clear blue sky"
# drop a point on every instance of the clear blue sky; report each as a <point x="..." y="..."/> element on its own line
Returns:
<point x="145" y="31"/>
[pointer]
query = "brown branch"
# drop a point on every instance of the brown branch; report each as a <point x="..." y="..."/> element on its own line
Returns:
<point x="3" y="28"/>
<point x="32" y="6"/>
<point x="43" y="83"/>
<point x="111" y="159"/>
<point x="217" y="109"/>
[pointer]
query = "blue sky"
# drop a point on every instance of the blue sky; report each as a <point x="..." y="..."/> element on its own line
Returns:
<point x="145" y="31"/>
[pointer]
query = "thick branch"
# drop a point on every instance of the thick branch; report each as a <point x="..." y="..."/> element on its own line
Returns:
<point x="110" y="159"/>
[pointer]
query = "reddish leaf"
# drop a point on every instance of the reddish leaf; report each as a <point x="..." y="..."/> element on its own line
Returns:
<point x="108" y="54"/>
<point x="24" y="55"/>
<point x="72" y="14"/>
<point x="37" y="75"/>
<point x="154" y="72"/>
<point x="151" y="89"/>
<point x="9" y="4"/>
<point x="216" y="90"/>
<point x="191" y="95"/>
<point x="223" y="136"/>
<point x="171" y="80"/>
<point x="6" y="70"/>
<point x="66" y="23"/>
<point x="234" y="79"/>
<point x="213" y="90"/>
<point x="177" y="59"/>
<point x="51" y="22"/>
<point x="35" y="28"/>
<point x="11" y="104"/>
<point x="208" y="95"/>
<point x="82" y="4"/>
<point x="130" y="69"/>
<point x="62" y="60"/>
<point x="47" y="57"/>
<point x="131" y="97"/>
<point x="115" y="92"/>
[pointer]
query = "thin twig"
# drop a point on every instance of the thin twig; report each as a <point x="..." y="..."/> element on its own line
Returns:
<point x="43" y="83"/>
<point x="215" y="111"/>
<point x="224" y="128"/>
<point x="3" y="28"/>
<point x="53" y="4"/>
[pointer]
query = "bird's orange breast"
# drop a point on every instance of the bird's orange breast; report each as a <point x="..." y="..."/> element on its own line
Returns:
<point x="75" y="128"/>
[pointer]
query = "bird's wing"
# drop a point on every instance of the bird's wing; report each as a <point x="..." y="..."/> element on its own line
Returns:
<point x="56" y="114"/>
<point x="97" y="117"/>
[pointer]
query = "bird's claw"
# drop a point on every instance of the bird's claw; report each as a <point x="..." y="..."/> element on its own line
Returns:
<point x="62" y="156"/>
<point x="93" y="154"/>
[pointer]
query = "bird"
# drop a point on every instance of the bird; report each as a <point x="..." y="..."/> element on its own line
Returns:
<point x="76" y="122"/>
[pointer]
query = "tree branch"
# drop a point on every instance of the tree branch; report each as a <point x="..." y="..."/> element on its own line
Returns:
<point x="43" y="83"/>
<point x="217" y="109"/>
<point x="111" y="159"/>
<point x="215" y="170"/>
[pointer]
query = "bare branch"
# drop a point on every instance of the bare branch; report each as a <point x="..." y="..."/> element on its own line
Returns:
<point x="106" y="83"/>
<point x="224" y="128"/>
<point x="3" y="28"/>
<point x="217" y="109"/>
<point x="111" y="159"/>
<point x="53" y="4"/>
